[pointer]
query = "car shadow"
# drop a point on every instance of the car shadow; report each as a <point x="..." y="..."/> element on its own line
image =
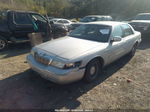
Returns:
<point x="145" y="44"/>
<point x="27" y="90"/>
<point x="15" y="50"/>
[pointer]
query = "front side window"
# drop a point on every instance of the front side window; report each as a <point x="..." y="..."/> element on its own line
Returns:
<point x="21" y="18"/>
<point x="65" y="21"/>
<point x="117" y="32"/>
<point x="127" y="30"/>
<point x="93" y="32"/>
<point x="60" y="21"/>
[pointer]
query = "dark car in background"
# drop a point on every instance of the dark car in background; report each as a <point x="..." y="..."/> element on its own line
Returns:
<point x="91" y="18"/>
<point x="141" y="23"/>
<point x="15" y="26"/>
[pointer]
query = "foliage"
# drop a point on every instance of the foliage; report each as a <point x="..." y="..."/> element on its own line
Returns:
<point x="79" y="8"/>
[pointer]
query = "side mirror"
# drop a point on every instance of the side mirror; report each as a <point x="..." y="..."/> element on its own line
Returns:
<point x="116" y="39"/>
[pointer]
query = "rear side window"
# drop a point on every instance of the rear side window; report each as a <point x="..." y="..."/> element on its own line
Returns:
<point x="3" y="17"/>
<point x="22" y="19"/>
<point x="127" y="30"/>
<point x="117" y="32"/>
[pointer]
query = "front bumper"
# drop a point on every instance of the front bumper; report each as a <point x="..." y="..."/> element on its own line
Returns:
<point x="56" y="75"/>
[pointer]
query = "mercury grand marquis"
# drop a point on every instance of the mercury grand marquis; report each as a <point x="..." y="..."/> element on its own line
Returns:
<point x="84" y="52"/>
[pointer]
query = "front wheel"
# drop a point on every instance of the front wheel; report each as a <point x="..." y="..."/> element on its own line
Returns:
<point x="93" y="70"/>
<point x="3" y="44"/>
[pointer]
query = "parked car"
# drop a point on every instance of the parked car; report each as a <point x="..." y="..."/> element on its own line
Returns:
<point x="75" y="25"/>
<point x="58" y="30"/>
<point x="65" y="22"/>
<point x="141" y="23"/>
<point x="91" y="18"/>
<point x="84" y="52"/>
<point x="16" y="25"/>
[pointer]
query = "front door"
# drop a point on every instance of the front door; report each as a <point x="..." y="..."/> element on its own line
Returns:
<point x="116" y="49"/>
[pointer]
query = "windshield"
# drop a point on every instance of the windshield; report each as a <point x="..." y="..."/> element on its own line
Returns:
<point x="142" y="17"/>
<point x="88" y="19"/>
<point x="93" y="32"/>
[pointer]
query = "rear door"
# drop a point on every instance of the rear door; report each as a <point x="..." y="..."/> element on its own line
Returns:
<point x="128" y="37"/>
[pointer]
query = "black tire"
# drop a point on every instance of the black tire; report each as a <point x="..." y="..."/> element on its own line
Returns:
<point x="3" y="44"/>
<point x="93" y="70"/>
<point x="133" y="51"/>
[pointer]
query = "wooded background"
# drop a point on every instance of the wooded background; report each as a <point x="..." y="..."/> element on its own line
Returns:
<point x="80" y="8"/>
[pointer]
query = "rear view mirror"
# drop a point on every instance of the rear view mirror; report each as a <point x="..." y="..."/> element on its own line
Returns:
<point x="116" y="39"/>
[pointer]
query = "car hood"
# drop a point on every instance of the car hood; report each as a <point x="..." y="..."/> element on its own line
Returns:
<point x="69" y="47"/>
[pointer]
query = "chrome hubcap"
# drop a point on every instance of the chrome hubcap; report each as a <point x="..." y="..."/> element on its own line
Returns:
<point x="2" y="44"/>
<point x="92" y="70"/>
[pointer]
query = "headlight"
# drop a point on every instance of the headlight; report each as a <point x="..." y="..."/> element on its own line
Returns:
<point x="65" y="66"/>
<point x="57" y="64"/>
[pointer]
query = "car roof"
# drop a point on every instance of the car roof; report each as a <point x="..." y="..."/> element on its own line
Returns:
<point x="21" y="11"/>
<point x="144" y="14"/>
<point x="108" y="23"/>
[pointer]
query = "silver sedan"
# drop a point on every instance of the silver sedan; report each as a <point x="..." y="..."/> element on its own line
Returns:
<point x="84" y="52"/>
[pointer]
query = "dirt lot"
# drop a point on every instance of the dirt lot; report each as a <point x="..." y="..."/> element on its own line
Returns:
<point x="20" y="88"/>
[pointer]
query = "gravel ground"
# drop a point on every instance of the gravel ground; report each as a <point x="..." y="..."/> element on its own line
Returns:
<point x="125" y="84"/>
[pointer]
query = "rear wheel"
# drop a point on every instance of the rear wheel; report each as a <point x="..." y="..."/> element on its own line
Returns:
<point x="133" y="51"/>
<point x="3" y="44"/>
<point x="93" y="70"/>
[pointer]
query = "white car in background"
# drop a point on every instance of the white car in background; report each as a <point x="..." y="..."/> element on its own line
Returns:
<point x="84" y="52"/>
<point x="65" y="22"/>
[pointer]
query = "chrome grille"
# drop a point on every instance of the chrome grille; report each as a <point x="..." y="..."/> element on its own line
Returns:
<point x="41" y="59"/>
